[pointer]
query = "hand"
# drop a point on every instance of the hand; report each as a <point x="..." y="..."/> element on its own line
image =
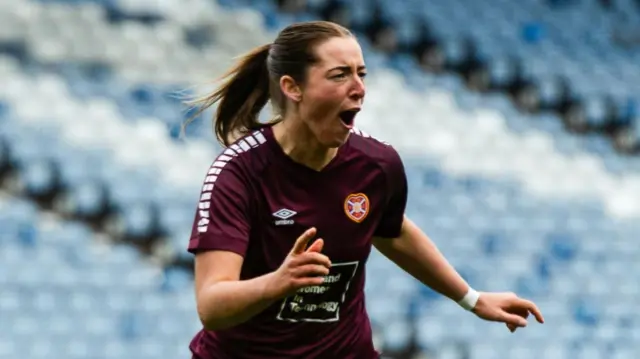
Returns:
<point x="301" y="268"/>
<point x="507" y="308"/>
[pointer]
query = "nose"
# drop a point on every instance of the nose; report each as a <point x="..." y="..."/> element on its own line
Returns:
<point x="358" y="89"/>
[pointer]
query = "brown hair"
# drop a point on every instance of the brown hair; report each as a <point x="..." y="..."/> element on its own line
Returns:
<point x="254" y="80"/>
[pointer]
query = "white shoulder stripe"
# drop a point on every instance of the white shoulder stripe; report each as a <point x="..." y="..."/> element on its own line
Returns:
<point x="260" y="137"/>
<point x="360" y="133"/>
<point x="236" y="148"/>
<point x="251" y="141"/>
<point x="243" y="145"/>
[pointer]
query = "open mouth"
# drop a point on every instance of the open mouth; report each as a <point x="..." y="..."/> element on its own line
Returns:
<point x="347" y="117"/>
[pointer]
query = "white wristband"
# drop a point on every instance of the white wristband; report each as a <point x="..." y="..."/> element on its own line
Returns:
<point x="470" y="299"/>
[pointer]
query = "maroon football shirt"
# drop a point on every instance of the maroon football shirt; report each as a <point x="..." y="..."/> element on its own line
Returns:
<point x="256" y="201"/>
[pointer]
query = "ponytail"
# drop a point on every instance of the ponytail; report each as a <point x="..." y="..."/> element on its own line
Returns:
<point x="242" y="96"/>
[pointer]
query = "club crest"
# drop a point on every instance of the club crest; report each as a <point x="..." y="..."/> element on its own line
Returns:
<point x="356" y="207"/>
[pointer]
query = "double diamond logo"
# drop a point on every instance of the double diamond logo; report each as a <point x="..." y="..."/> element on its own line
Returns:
<point x="284" y="215"/>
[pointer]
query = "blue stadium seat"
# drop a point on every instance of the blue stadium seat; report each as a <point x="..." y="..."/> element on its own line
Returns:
<point x="86" y="199"/>
<point x="562" y="246"/>
<point x="127" y="187"/>
<point x="4" y="111"/>
<point x="39" y="177"/>
<point x="138" y="220"/>
<point x="596" y="111"/>
<point x="397" y="335"/>
<point x="456" y="51"/>
<point x="176" y="280"/>
<point x="635" y="130"/>
<point x="502" y="72"/>
<point x="551" y="91"/>
<point x="25" y="150"/>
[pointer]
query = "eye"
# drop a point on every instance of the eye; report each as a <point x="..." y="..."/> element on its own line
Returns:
<point x="339" y="76"/>
<point x="362" y="75"/>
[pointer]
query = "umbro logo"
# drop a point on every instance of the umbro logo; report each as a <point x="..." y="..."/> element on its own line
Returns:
<point x="284" y="215"/>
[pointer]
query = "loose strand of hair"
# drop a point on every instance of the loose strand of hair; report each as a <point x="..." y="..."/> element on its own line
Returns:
<point x="203" y="102"/>
<point x="242" y="110"/>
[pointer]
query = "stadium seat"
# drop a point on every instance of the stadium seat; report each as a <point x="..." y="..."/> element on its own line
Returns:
<point x="91" y="287"/>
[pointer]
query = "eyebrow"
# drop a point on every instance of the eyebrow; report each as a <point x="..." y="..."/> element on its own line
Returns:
<point x="347" y="68"/>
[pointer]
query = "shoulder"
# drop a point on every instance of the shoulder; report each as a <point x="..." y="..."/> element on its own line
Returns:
<point x="245" y="158"/>
<point x="378" y="151"/>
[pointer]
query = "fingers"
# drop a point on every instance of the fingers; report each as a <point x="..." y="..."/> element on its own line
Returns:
<point x="316" y="246"/>
<point x="508" y="308"/>
<point x="527" y="306"/>
<point x="313" y="258"/>
<point x="514" y="321"/>
<point x="309" y="275"/>
<point x="531" y="307"/>
<point x="524" y="314"/>
<point x="303" y="240"/>
<point x="311" y="270"/>
<point x="309" y="282"/>
<point x="522" y="308"/>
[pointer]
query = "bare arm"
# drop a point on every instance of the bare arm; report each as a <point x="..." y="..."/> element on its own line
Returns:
<point x="414" y="252"/>
<point x="223" y="300"/>
<point x="411" y="249"/>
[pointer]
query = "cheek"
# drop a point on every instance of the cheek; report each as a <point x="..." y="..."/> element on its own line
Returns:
<point x="321" y="105"/>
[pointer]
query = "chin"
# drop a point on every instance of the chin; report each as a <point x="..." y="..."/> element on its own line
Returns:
<point x="336" y="141"/>
<point x="332" y="138"/>
<point x="335" y="144"/>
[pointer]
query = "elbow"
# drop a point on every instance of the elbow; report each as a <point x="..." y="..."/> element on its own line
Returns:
<point x="212" y="321"/>
<point x="211" y="310"/>
<point x="212" y="325"/>
<point x="209" y="320"/>
<point x="216" y="325"/>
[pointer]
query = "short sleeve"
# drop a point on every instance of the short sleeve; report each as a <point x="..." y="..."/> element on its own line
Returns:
<point x="222" y="220"/>
<point x="397" y="188"/>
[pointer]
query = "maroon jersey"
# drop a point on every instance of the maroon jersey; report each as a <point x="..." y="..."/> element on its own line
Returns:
<point x="257" y="201"/>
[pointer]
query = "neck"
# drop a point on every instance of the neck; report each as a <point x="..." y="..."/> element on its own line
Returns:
<point x="299" y="143"/>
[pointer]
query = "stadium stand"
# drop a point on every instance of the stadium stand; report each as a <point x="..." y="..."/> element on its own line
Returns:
<point x="504" y="113"/>
<point x="67" y="294"/>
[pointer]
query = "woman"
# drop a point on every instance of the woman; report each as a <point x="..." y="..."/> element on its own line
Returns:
<point x="289" y="211"/>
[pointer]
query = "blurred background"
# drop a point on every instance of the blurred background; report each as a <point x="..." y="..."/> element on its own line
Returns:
<point x="518" y="122"/>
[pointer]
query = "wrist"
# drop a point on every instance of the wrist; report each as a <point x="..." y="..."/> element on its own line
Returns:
<point x="470" y="299"/>
<point x="270" y="288"/>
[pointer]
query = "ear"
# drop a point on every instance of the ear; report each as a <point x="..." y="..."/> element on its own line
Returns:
<point x="290" y="88"/>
